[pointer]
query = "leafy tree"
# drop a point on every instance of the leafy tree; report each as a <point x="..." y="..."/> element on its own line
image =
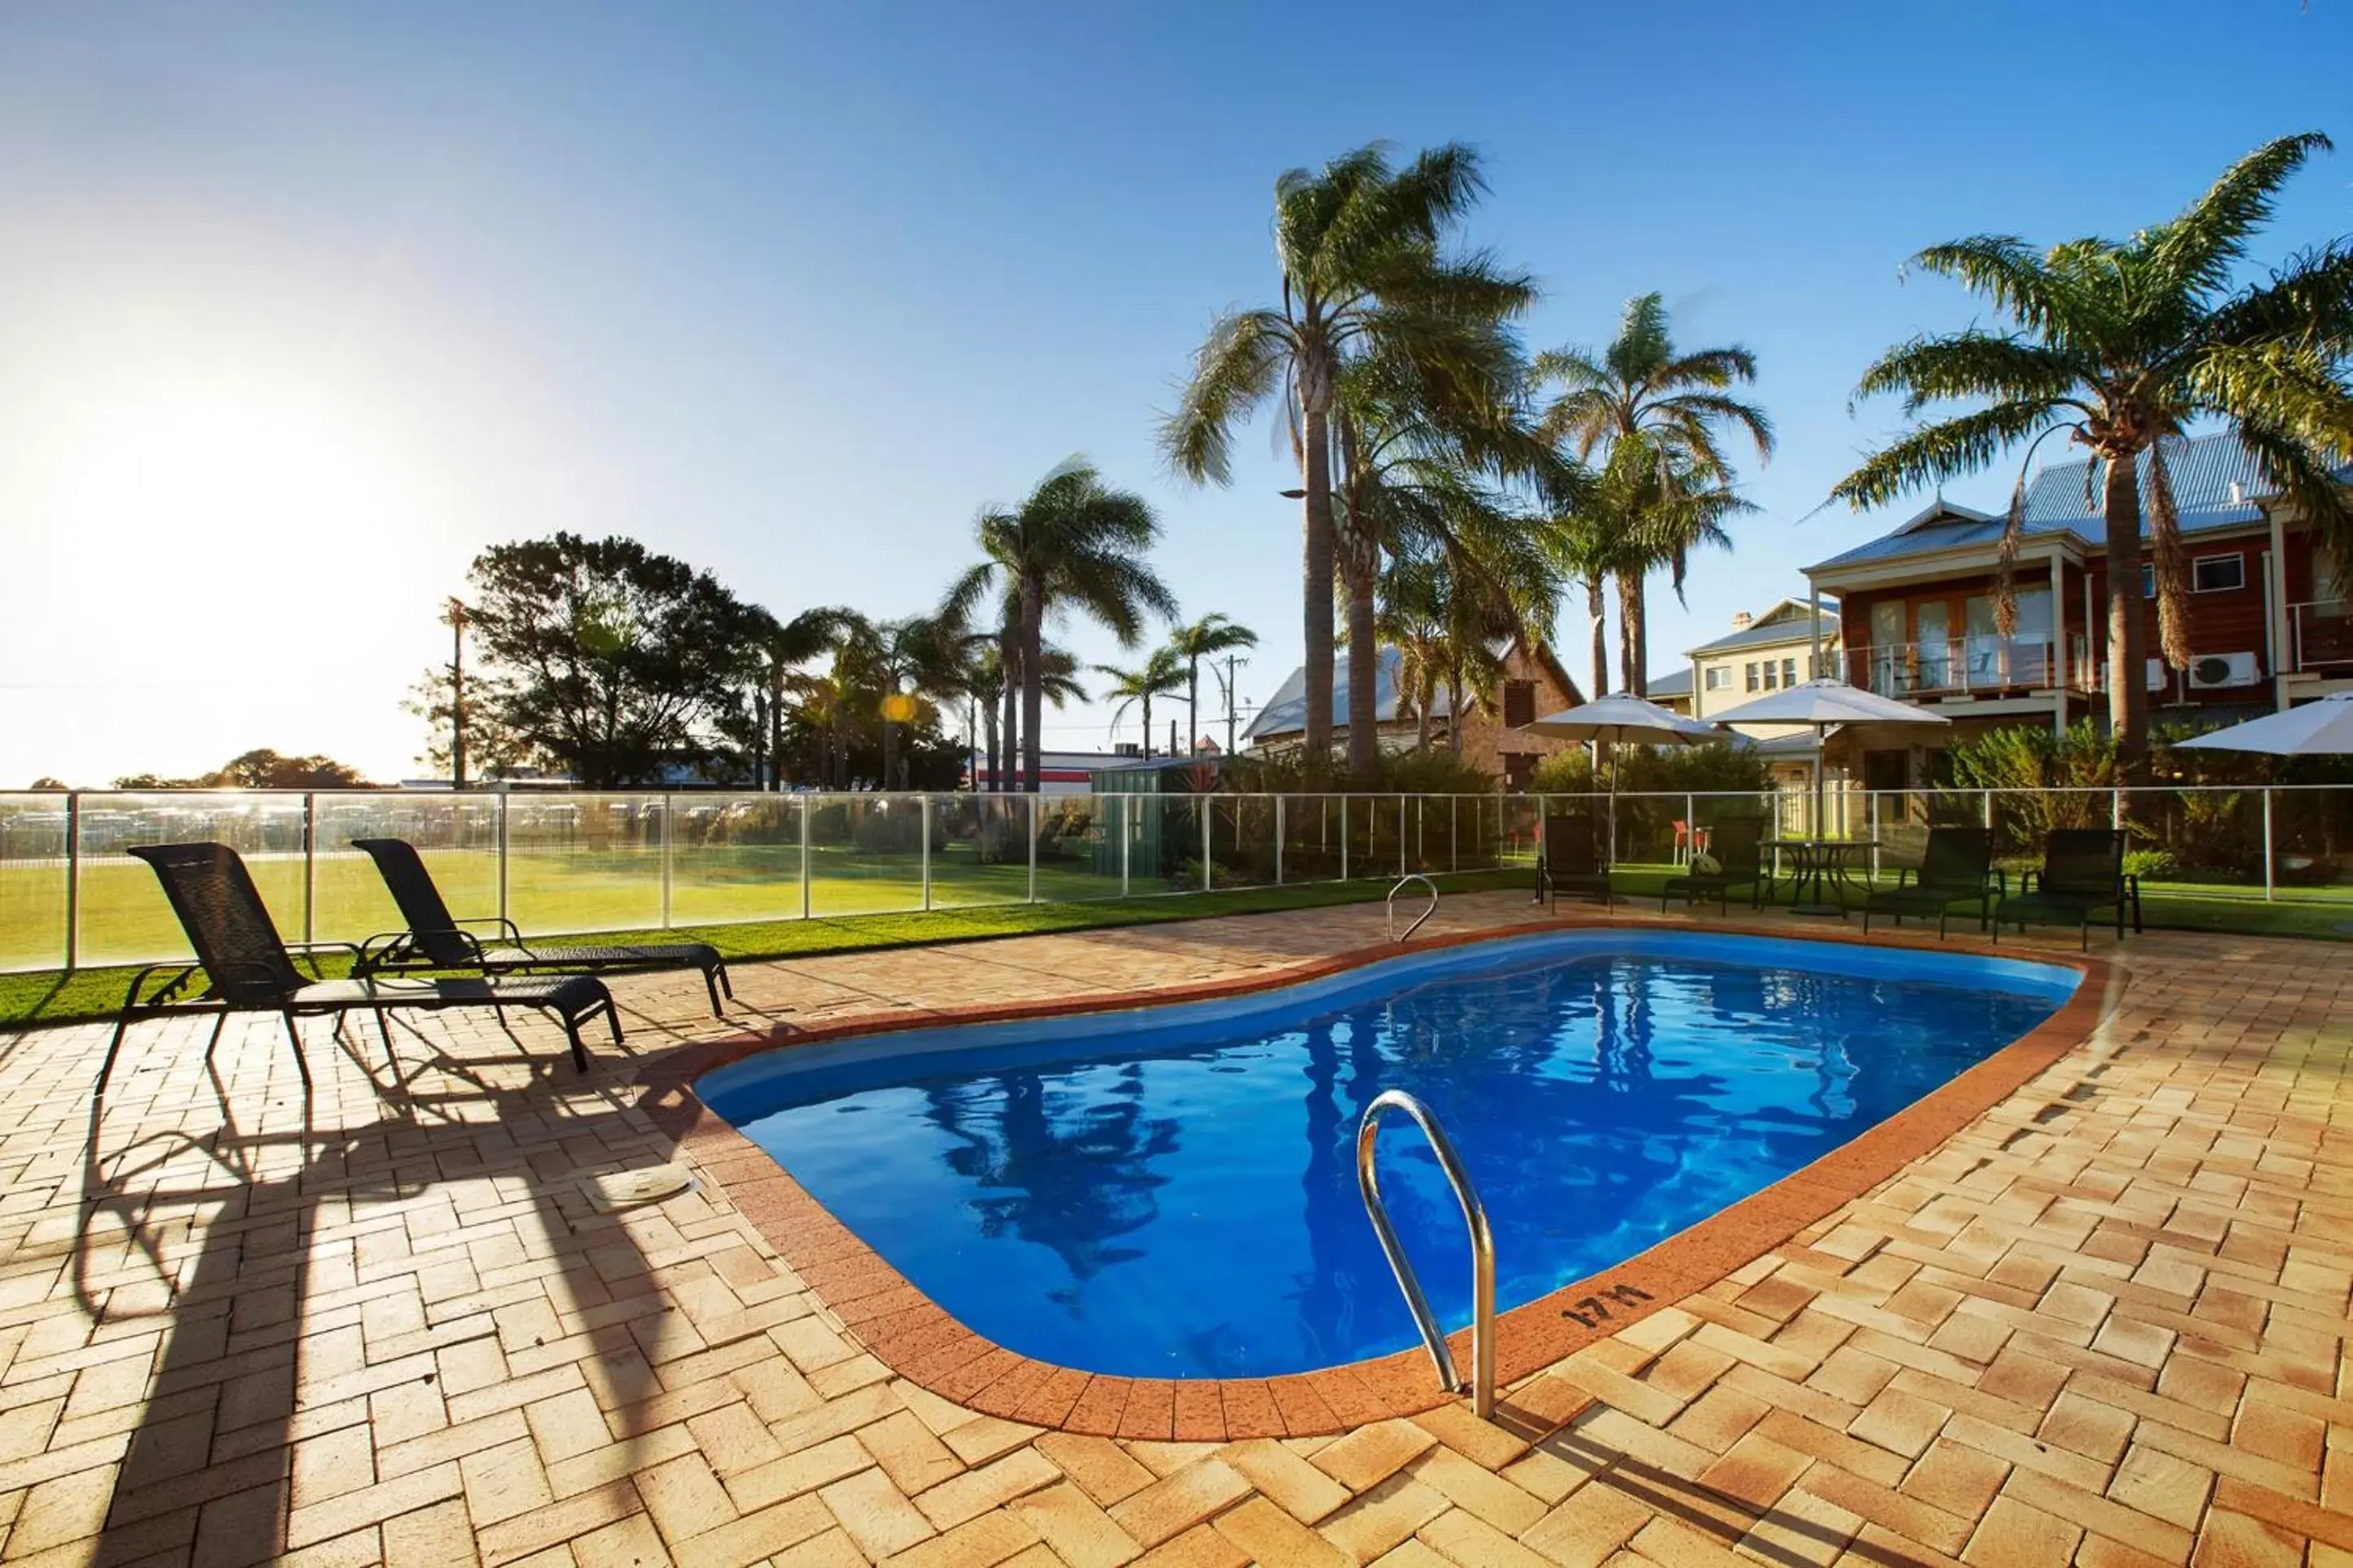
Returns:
<point x="603" y="656"/>
<point x="1358" y="244"/>
<point x="1162" y="674"/>
<point x="1643" y="401"/>
<point x="45" y="784"/>
<point x="1210" y="636"/>
<point x="258" y="769"/>
<point x="492" y="751"/>
<point x="1075" y="543"/>
<point x="2122" y="343"/>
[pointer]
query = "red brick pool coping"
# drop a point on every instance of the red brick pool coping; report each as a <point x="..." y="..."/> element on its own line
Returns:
<point x="908" y="1332"/>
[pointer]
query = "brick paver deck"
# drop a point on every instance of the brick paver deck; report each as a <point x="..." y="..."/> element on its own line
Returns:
<point x="2105" y="1322"/>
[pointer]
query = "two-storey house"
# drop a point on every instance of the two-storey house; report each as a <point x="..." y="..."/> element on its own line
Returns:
<point x="1791" y="642"/>
<point x="2267" y="619"/>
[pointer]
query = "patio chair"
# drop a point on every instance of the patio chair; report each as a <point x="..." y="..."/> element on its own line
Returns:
<point x="2083" y="873"/>
<point x="1569" y="859"/>
<point x="434" y="940"/>
<point x="1740" y="863"/>
<point x="248" y="968"/>
<point x="1957" y="869"/>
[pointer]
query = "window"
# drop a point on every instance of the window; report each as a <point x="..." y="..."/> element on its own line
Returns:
<point x="1719" y="677"/>
<point x="1788" y="672"/>
<point x="1518" y="769"/>
<point x="1752" y="686"/>
<point x="1772" y="675"/>
<point x="2218" y="573"/>
<point x="1519" y="703"/>
<point x="2148" y="579"/>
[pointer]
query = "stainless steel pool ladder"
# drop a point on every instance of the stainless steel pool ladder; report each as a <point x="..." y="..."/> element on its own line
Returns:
<point x="1403" y="883"/>
<point x="1482" y="1386"/>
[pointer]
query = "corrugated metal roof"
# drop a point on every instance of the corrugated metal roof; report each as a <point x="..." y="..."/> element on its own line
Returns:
<point x="1792" y="629"/>
<point x="2064" y="499"/>
<point x="1285" y="712"/>
<point x="1675" y="685"/>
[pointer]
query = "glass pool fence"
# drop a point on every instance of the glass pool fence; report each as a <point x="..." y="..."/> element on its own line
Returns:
<point x="71" y="895"/>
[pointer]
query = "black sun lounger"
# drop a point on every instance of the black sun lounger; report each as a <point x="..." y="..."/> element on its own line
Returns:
<point x="436" y="940"/>
<point x="248" y="968"/>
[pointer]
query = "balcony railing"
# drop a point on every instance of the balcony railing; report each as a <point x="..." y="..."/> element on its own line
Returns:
<point x="2320" y="634"/>
<point x="1968" y="664"/>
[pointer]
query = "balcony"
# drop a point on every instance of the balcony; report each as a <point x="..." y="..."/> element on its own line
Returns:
<point x="1970" y="665"/>
<point x="2320" y="637"/>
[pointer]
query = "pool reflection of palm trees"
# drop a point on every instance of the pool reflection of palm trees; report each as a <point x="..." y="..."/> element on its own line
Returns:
<point x="1067" y="1165"/>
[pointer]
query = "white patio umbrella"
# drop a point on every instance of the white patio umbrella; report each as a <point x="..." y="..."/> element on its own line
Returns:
<point x="1621" y="717"/>
<point x="1827" y="704"/>
<point x="2318" y="729"/>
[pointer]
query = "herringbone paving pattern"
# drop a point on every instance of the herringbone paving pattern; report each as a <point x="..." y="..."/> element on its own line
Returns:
<point x="385" y="1322"/>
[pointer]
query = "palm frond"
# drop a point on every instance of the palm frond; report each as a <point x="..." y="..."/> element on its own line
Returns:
<point x="1946" y="450"/>
<point x="2196" y="251"/>
<point x="2172" y="566"/>
<point x="2308" y="302"/>
<point x="2002" y="267"/>
<point x="1240" y="362"/>
<point x="1970" y="364"/>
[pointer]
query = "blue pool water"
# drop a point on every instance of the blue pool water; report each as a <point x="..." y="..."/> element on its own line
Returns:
<point x="1171" y="1191"/>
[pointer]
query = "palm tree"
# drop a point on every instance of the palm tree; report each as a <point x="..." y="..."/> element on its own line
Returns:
<point x="1412" y="619"/>
<point x="773" y="652"/>
<point x="1643" y="510"/>
<point x="906" y="658"/>
<point x="1162" y="674"/>
<point x="1675" y="404"/>
<point x="1075" y="543"/>
<point x="1210" y="636"/>
<point x="1357" y="243"/>
<point x="2122" y="345"/>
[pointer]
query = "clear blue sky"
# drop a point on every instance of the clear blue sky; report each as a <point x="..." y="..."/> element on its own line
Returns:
<point x="302" y="306"/>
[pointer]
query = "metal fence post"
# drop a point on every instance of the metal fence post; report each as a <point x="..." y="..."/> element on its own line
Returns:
<point x="1401" y="860"/>
<point x="1126" y="838"/>
<point x="1278" y="841"/>
<point x="924" y="805"/>
<point x="2117" y="810"/>
<point x="1454" y="833"/>
<point x="2268" y="892"/>
<point x="806" y="814"/>
<point x="669" y="871"/>
<point x="506" y="799"/>
<point x="1209" y="875"/>
<point x="1986" y="800"/>
<point x="309" y="865"/>
<point x="1344" y="839"/>
<point x="1033" y="848"/>
<point x="1690" y="845"/>
<point x="73" y="880"/>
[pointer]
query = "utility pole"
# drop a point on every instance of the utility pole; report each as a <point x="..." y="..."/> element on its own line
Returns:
<point x="1232" y="662"/>
<point x="1172" y="737"/>
<point x="457" y="619"/>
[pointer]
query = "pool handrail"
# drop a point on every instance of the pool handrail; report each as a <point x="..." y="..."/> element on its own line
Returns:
<point x="1390" y="916"/>
<point x="1481" y="1387"/>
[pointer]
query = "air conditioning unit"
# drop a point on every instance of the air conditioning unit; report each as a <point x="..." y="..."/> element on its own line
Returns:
<point x="2208" y="671"/>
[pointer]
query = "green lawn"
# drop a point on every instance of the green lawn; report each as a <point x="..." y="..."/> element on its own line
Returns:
<point x="52" y="996"/>
<point x="857" y="901"/>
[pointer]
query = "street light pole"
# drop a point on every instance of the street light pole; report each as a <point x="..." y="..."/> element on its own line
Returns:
<point x="457" y="619"/>
<point x="1232" y="662"/>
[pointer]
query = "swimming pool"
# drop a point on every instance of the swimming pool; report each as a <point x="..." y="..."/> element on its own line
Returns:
<point x="1170" y="1192"/>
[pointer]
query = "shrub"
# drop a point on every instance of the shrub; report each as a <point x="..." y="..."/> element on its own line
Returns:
<point x="2151" y="865"/>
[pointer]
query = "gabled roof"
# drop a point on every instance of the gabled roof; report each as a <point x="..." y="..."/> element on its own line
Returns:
<point x="2216" y="487"/>
<point x="1285" y="712"/>
<point x="1675" y="684"/>
<point x="1786" y="621"/>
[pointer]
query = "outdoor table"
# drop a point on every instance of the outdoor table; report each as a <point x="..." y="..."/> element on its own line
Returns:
<point x="1825" y="866"/>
